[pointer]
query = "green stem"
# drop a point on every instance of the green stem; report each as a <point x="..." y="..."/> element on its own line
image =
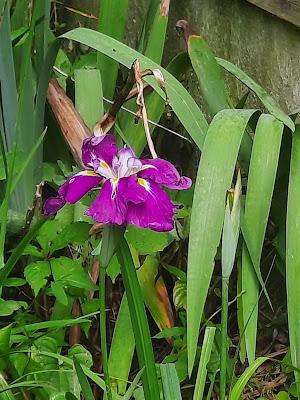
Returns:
<point x="103" y="340"/>
<point x="139" y="322"/>
<point x="224" y="317"/>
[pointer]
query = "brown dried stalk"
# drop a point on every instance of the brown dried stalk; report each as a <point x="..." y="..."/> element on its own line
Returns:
<point x="70" y="121"/>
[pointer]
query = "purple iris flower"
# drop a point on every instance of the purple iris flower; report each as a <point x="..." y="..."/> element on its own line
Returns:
<point x="131" y="191"/>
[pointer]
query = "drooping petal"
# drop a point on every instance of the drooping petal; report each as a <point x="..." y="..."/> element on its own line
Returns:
<point x="164" y="173"/>
<point x="98" y="148"/>
<point x="78" y="185"/>
<point x="136" y="190"/>
<point x="155" y="213"/>
<point x="125" y="163"/>
<point x="53" y="205"/>
<point x="110" y="206"/>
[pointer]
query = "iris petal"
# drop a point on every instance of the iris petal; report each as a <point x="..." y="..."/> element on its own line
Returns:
<point x="72" y="191"/>
<point x="78" y="185"/>
<point x="98" y="148"/>
<point x="155" y="213"/>
<point x="109" y="206"/>
<point x="164" y="173"/>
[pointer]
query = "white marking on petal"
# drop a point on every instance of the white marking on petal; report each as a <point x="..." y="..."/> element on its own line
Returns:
<point x="145" y="184"/>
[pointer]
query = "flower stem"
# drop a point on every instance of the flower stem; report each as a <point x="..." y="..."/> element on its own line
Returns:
<point x="224" y="317"/>
<point x="102" y="279"/>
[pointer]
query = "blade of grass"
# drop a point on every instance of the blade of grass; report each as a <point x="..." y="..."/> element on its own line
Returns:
<point x="262" y="174"/>
<point x="133" y="386"/>
<point x="293" y="256"/>
<point x="84" y="383"/>
<point x="244" y="378"/>
<point x="260" y="92"/>
<point x="182" y="103"/>
<point x="214" y="178"/>
<point x="122" y="348"/>
<point x="170" y="382"/>
<point x="112" y="20"/>
<point x="139" y="322"/>
<point x="204" y="360"/>
<point x="209" y="75"/>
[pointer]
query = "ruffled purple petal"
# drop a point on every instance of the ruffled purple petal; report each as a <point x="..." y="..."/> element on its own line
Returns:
<point x="98" y="148"/>
<point x="78" y="185"/>
<point x="155" y="213"/>
<point x="110" y="205"/>
<point x="164" y="173"/>
<point x="53" y="205"/>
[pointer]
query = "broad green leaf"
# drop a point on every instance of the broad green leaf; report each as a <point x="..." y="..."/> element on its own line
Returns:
<point x="112" y="20"/>
<point x="139" y="322"/>
<point x="155" y="293"/>
<point x="282" y="396"/>
<point x="58" y="291"/>
<point x="182" y="103"/>
<point x="265" y="98"/>
<point x="170" y="382"/>
<point x="146" y="241"/>
<point x="70" y="273"/>
<point x="239" y="386"/>
<point x="121" y="349"/>
<point x="262" y="173"/>
<point x="206" y="350"/>
<point x="214" y="178"/>
<point x="88" y="95"/>
<point x="36" y="273"/>
<point x="293" y="255"/>
<point x="209" y="74"/>
<point x="8" y="307"/>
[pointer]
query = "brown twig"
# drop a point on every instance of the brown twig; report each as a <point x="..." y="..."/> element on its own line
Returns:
<point x="106" y="123"/>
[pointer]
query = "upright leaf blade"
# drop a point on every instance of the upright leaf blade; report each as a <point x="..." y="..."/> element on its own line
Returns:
<point x="262" y="173"/>
<point x="204" y="360"/>
<point x="293" y="255"/>
<point x="214" y="178"/>
<point x="112" y="21"/>
<point x="209" y="74"/>
<point x="122" y="348"/>
<point x="139" y="322"/>
<point x="261" y="93"/>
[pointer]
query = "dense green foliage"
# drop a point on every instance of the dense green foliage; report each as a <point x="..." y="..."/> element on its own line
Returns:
<point x="122" y="312"/>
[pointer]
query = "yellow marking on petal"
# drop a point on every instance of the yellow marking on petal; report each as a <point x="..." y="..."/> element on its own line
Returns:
<point x="104" y="164"/>
<point x="114" y="180"/>
<point x="147" y="166"/>
<point x="144" y="183"/>
<point x="88" y="173"/>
